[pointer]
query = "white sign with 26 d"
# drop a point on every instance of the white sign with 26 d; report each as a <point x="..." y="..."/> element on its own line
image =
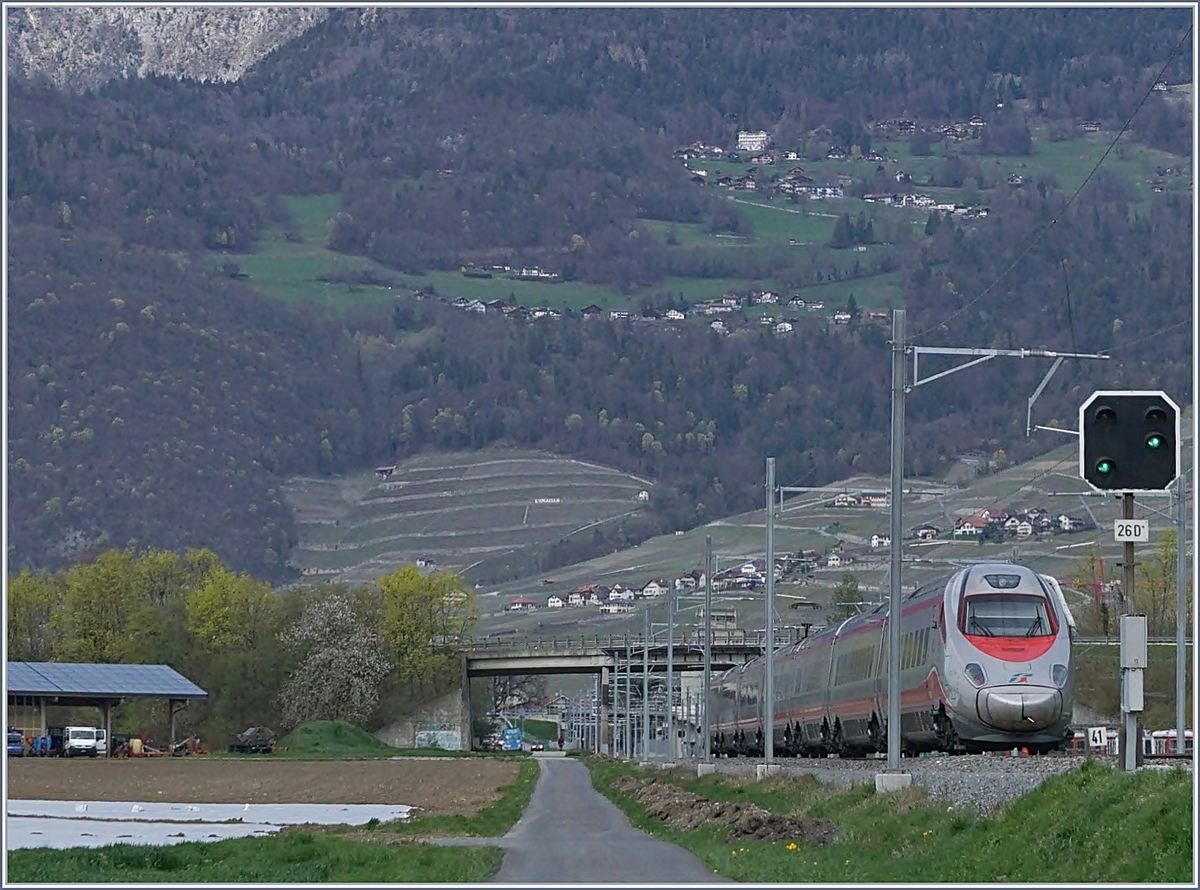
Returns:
<point x="1135" y="530"/>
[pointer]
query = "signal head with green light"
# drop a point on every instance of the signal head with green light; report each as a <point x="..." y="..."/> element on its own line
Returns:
<point x="1129" y="441"/>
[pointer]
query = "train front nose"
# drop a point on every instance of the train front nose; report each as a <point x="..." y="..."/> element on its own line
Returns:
<point x="1020" y="708"/>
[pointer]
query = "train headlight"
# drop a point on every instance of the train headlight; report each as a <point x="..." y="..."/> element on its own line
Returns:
<point x="975" y="674"/>
<point x="1058" y="674"/>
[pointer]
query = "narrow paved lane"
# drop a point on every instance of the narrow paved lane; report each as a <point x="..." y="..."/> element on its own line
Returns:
<point x="570" y="834"/>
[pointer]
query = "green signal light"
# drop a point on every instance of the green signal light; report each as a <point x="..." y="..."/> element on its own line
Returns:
<point x="1104" y="467"/>
<point x="1154" y="441"/>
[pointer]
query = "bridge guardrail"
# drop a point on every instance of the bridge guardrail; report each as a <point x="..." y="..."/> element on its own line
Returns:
<point x="783" y="637"/>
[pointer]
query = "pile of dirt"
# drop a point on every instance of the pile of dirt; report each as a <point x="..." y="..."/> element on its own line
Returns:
<point x="747" y="821"/>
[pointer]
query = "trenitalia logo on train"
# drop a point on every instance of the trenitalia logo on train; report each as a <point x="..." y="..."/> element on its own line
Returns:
<point x="985" y="665"/>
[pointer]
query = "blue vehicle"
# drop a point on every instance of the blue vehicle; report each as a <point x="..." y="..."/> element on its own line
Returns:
<point x="511" y="739"/>
<point x="16" y="742"/>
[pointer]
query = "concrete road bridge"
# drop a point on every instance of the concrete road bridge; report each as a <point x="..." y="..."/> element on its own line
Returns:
<point x="496" y="657"/>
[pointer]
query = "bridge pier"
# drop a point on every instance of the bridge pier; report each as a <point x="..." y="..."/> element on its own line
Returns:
<point x="604" y="735"/>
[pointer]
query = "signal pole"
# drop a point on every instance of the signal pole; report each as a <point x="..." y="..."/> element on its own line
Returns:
<point x="1180" y="614"/>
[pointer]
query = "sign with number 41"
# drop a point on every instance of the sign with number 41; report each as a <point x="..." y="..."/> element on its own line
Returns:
<point x="1135" y="530"/>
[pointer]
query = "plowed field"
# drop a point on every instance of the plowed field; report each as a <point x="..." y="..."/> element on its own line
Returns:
<point x="444" y="786"/>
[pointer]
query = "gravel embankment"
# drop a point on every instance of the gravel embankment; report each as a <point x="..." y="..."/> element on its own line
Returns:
<point x="980" y="781"/>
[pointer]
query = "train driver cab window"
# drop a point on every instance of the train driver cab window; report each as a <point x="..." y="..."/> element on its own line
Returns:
<point x="1007" y="615"/>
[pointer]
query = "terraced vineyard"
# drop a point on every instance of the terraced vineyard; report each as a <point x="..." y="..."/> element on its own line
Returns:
<point x="459" y="511"/>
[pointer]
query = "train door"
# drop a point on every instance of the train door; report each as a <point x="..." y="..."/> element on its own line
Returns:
<point x="828" y="666"/>
<point x="880" y="676"/>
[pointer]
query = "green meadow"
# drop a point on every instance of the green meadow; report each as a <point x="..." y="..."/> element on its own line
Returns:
<point x="295" y="264"/>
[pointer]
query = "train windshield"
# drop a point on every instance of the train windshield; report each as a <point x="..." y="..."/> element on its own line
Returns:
<point x="1007" y="615"/>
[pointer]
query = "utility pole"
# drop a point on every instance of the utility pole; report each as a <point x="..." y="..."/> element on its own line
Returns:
<point x="646" y="684"/>
<point x="708" y="644"/>
<point x="897" y="530"/>
<point x="769" y="719"/>
<point x="1127" y="567"/>
<point x="670" y="675"/>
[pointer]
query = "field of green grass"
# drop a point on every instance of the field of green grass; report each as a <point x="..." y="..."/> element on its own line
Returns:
<point x="1093" y="825"/>
<point x="293" y="858"/>
<point x="289" y="270"/>
<point x="778" y="219"/>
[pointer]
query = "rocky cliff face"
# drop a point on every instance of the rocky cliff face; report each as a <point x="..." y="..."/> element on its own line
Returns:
<point x="77" y="48"/>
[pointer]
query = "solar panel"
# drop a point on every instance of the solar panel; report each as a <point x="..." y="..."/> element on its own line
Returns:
<point x="117" y="680"/>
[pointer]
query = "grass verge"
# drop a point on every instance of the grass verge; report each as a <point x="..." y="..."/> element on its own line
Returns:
<point x="289" y="858"/>
<point x="492" y="821"/>
<point x="1092" y="825"/>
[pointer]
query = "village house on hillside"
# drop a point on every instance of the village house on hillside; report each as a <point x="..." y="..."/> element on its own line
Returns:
<point x="653" y="588"/>
<point x="969" y="526"/>
<point x="1018" y="524"/>
<point x="926" y="532"/>
<point x="621" y="594"/>
<point x="616" y="608"/>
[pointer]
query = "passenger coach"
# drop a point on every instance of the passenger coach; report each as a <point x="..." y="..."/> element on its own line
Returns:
<point x="985" y="664"/>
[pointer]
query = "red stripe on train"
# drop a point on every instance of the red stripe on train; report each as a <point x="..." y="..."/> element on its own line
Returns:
<point x="1012" y="648"/>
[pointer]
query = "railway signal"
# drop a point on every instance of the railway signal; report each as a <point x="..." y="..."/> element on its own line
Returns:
<point x="1129" y="441"/>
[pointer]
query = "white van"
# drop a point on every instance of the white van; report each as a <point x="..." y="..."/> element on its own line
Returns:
<point x="79" y="740"/>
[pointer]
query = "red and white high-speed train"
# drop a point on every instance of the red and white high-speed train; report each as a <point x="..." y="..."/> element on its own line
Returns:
<point x="985" y="664"/>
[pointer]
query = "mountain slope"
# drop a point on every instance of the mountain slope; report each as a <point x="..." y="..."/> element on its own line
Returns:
<point x="80" y="48"/>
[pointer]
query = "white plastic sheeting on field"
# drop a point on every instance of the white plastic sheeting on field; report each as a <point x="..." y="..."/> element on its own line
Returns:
<point x="67" y="823"/>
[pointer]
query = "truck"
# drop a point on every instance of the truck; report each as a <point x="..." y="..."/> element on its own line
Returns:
<point x="16" y="742"/>
<point x="79" y="741"/>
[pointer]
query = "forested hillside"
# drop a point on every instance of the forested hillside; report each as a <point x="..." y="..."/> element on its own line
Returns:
<point x="155" y="399"/>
